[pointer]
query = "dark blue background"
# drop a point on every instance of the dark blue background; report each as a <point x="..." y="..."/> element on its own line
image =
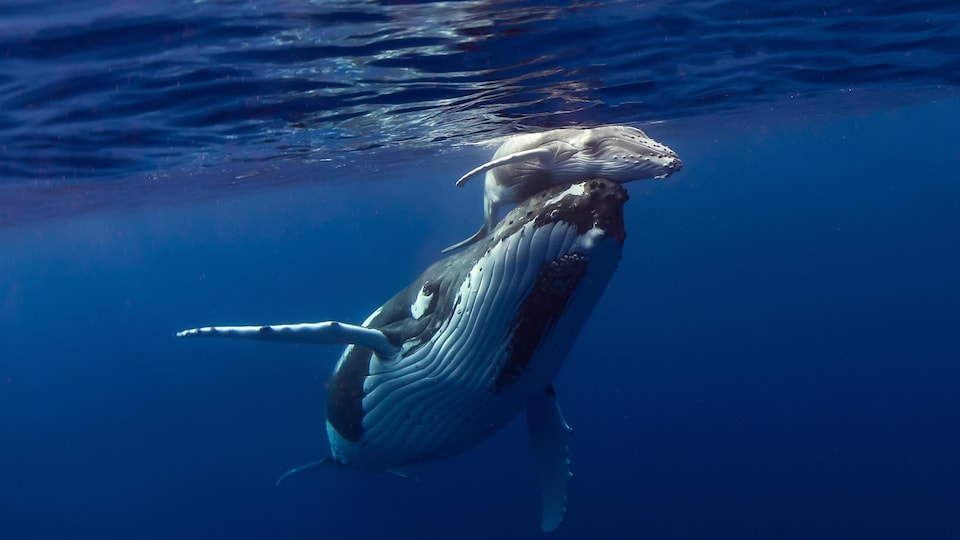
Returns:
<point x="775" y="358"/>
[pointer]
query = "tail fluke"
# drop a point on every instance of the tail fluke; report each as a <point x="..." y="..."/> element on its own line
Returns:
<point x="327" y="461"/>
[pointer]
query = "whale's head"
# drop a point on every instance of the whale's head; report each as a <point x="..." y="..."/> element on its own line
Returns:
<point x="619" y="153"/>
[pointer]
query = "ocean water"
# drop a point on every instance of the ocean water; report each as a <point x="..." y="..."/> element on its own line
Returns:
<point x="775" y="358"/>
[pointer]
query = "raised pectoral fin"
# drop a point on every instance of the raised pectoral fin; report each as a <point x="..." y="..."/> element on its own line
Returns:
<point x="549" y="434"/>
<point x="325" y="333"/>
<point x="516" y="157"/>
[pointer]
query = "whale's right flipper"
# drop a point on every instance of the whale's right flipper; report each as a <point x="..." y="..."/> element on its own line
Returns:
<point x="549" y="433"/>
<point x="326" y="332"/>
<point x="516" y="157"/>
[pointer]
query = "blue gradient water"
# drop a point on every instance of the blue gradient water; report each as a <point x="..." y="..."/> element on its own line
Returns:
<point x="776" y="357"/>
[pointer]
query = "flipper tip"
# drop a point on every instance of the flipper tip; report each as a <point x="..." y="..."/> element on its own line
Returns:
<point x="448" y="249"/>
<point x="190" y="332"/>
<point x="477" y="236"/>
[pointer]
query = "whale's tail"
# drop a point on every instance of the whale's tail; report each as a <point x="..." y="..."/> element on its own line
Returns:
<point x="330" y="461"/>
<point x="325" y="462"/>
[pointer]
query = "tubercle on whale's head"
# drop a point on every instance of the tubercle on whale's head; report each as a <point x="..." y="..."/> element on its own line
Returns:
<point x="625" y="153"/>
<point x="591" y="204"/>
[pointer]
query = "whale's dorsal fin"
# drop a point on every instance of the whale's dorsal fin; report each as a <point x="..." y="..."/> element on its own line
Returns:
<point x="549" y="433"/>
<point x="516" y="157"/>
<point x="325" y="333"/>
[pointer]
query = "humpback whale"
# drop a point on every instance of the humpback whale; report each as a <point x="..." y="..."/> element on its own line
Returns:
<point x="526" y="164"/>
<point x="472" y="342"/>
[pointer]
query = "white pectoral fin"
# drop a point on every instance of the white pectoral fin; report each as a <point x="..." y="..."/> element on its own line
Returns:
<point x="516" y="157"/>
<point x="549" y="434"/>
<point x="325" y="333"/>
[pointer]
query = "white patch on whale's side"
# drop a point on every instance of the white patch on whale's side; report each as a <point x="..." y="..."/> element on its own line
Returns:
<point x="421" y="304"/>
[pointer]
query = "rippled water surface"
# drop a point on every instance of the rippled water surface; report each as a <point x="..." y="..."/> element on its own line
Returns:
<point x="106" y="91"/>
<point x="776" y="357"/>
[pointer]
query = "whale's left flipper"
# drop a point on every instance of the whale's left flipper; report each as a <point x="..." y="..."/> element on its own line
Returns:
<point x="326" y="333"/>
<point x="549" y="434"/>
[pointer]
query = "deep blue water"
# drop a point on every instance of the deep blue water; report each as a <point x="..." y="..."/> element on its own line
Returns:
<point x="776" y="357"/>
